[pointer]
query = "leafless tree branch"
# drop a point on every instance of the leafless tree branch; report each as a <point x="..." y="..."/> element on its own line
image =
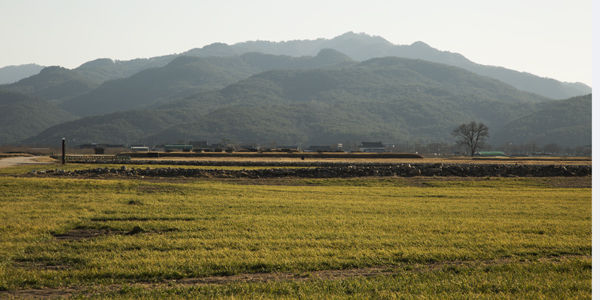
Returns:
<point x="471" y="135"/>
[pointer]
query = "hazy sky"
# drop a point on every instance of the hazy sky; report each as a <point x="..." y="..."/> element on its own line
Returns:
<point x="548" y="38"/>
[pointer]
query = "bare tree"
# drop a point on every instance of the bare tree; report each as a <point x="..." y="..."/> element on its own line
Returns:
<point x="471" y="135"/>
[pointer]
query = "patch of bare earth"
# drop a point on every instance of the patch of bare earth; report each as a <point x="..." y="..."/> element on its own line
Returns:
<point x="45" y="159"/>
<point x="40" y="265"/>
<point x="282" y="276"/>
<point x="569" y="182"/>
<point x="88" y="233"/>
<point x="46" y="293"/>
<point x="23" y="160"/>
<point x="82" y="233"/>
<point x="286" y="181"/>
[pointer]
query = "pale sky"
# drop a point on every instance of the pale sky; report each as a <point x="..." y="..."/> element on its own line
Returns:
<point x="546" y="37"/>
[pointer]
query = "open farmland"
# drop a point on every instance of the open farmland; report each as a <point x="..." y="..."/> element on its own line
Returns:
<point x="372" y="158"/>
<point x="379" y="237"/>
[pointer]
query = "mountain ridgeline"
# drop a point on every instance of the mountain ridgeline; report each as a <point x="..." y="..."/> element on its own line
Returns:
<point x="57" y="84"/>
<point x="186" y="75"/>
<point x="362" y="47"/>
<point x="348" y="89"/>
<point x="389" y="99"/>
<point x="565" y="122"/>
<point x="10" y="74"/>
<point x="22" y="116"/>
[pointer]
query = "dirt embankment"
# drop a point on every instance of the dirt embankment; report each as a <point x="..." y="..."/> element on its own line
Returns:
<point x="339" y="171"/>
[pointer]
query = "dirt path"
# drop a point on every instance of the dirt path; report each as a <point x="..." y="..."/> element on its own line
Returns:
<point x="280" y="276"/>
<point x="23" y="160"/>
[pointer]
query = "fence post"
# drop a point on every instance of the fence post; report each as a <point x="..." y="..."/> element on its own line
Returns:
<point x="63" y="157"/>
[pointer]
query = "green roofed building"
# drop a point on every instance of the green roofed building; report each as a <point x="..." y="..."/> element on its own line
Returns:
<point x="490" y="153"/>
<point x="178" y="148"/>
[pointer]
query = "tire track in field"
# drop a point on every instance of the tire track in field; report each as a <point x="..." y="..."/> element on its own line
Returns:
<point x="341" y="274"/>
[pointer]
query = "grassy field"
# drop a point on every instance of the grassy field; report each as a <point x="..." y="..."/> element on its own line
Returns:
<point x="295" y="238"/>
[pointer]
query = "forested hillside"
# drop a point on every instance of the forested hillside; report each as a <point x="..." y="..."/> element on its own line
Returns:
<point x="187" y="75"/>
<point x="279" y="93"/>
<point x="57" y="84"/>
<point x="390" y="99"/>
<point x="362" y="47"/>
<point x="566" y="122"/>
<point x="22" y="116"/>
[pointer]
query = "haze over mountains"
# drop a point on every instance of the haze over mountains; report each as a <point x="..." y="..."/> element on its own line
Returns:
<point x="10" y="74"/>
<point x="185" y="76"/>
<point x="565" y="121"/>
<point x="22" y="116"/>
<point x="362" y="46"/>
<point x="350" y="88"/>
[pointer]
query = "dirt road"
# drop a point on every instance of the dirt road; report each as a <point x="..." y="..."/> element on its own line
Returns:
<point x="23" y="160"/>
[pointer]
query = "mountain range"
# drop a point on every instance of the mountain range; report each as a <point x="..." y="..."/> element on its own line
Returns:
<point x="22" y="116"/>
<point x="10" y="74"/>
<point x="389" y="99"/>
<point x="565" y="122"/>
<point x="346" y="89"/>
<point x="186" y="75"/>
<point x="360" y="46"/>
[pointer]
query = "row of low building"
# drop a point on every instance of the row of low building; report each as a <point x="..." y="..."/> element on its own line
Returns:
<point x="377" y="147"/>
<point x="203" y="146"/>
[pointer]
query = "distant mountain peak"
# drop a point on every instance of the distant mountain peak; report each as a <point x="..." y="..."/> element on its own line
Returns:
<point x="420" y="44"/>
<point x="387" y="98"/>
<point x="350" y="35"/>
<point x="332" y="53"/>
<point x="22" y="65"/>
<point x="214" y="49"/>
<point x="52" y="69"/>
<point x="97" y="63"/>
<point x="215" y="46"/>
<point x="10" y="74"/>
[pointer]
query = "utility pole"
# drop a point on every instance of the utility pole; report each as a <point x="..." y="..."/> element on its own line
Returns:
<point x="63" y="151"/>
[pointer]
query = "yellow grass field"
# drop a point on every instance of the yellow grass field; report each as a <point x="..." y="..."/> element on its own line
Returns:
<point x="453" y="160"/>
<point x="295" y="238"/>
